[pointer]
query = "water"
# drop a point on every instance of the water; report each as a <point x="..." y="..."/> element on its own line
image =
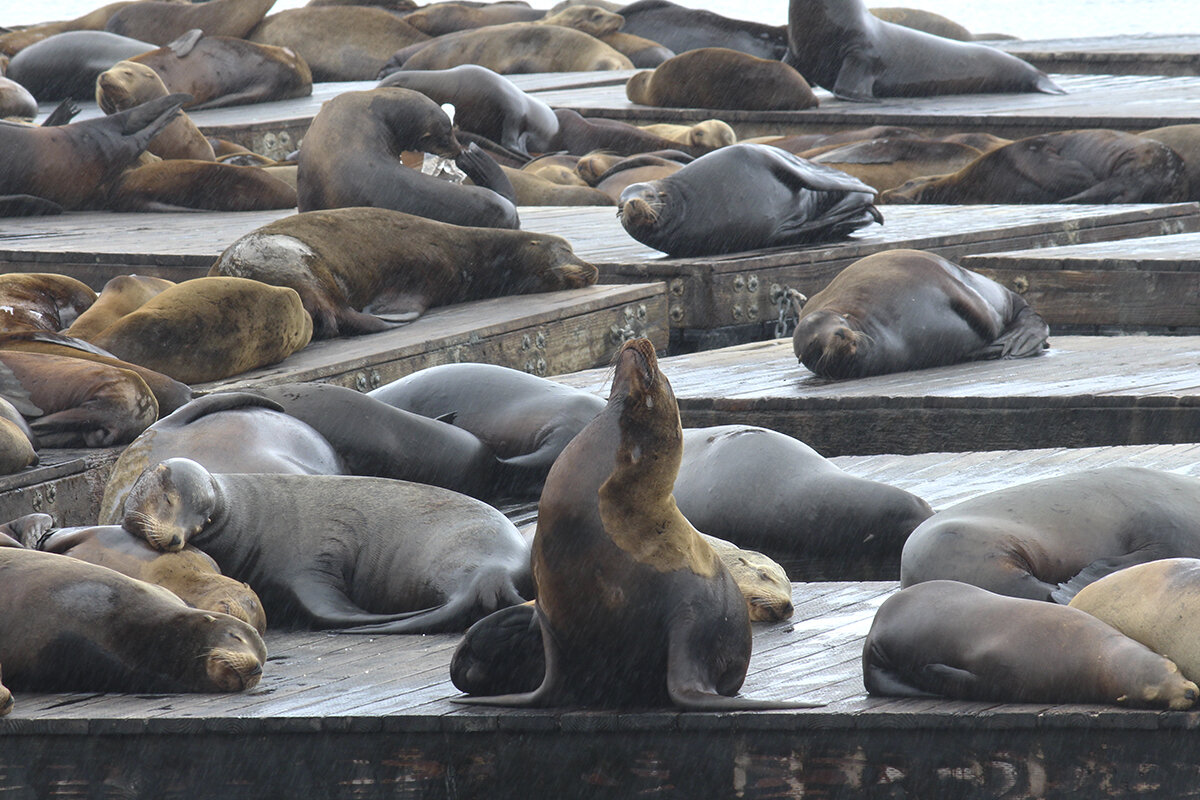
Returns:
<point x="1027" y="19"/>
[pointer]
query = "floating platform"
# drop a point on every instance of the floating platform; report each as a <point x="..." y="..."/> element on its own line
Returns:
<point x="1141" y="54"/>
<point x="1148" y="283"/>
<point x="1084" y="391"/>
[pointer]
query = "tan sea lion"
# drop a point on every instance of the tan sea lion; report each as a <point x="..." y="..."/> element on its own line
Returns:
<point x="131" y="636"/>
<point x="955" y="640"/>
<point x="519" y="47"/>
<point x="120" y="296"/>
<point x="182" y="184"/>
<point x="16" y="449"/>
<point x="636" y="169"/>
<point x="362" y="270"/>
<point x="206" y="329"/>
<point x="1185" y="141"/>
<point x="710" y="134"/>
<point x="927" y="21"/>
<point x="533" y="190"/>
<point x="41" y="301"/>
<point x="556" y="168"/>
<point x="597" y="165"/>
<point x="15" y="100"/>
<point x="641" y="52"/>
<point x="438" y="19"/>
<point x="162" y="22"/>
<point x="127" y="84"/>
<point x="714" y="77"/>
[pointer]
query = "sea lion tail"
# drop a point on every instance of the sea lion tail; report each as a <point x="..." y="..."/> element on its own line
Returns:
<point x="1044" y="84"/>
<point x="221" y="401"/>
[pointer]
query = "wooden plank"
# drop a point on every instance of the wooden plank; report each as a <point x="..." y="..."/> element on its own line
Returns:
<point x="1142" y="54"/>
<point x="67" y="484"/>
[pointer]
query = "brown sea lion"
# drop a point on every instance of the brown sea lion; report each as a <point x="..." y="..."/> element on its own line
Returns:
<point x="557" y="168"/>
<point x="206" y="329"/>
<point x="362" y="270"/>
<point x="410" y="558"/>
<point x="641" y="52"/>
<point x="222" y="71"/>
<point x="681" y="28"/>
<point x="189" y="574"/>
<point x="927" y="21"/>
<point x="121" y="295"/>
<point x="907" y="309"/>
<point x="840" y="45"/>
<point x="596" y="166"/>
<point x="983" y="142"/>
<point x="16" y="449"/>
<point x="806" y="142"/>
<point x="951" y="639"/>
<point x="66" y="65"/>
<point x="41" y="301"/>
<point x="519" y="47"/>
<point x="162" y="22"/>
<point x="635" y="169"/>
<point x="637" y="607"/>
<point x="887" y="163"/>
<point x="709" y="134"/>
<point x="535" y="191"/>
<point x="579" y="135"/>
<point x="1185" y="141"/>
<point x="129" y="635"/>
<point x="1088" y="166"/>
<point x="127" y="84"/>
<point x="590" y="19"/>
<point x="339" y="43"/>
<point x="438" y="19"/>
<point x="16" y="101"/>
<point x="1025" y="540"/>
<point x="182" y="184"/>
<point x="714" y="77"/>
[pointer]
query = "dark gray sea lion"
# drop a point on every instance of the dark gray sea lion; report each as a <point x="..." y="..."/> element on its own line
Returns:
<point x="680" y="28"/>
<point x="1025" y="540"/>
<point x="17" y="39"/>
<point x="162" y="22"/>
<point x="1185" y="141"/>
<point x="907" y="309"/>
<point x="715" y="77"/>
<point x="368" y="554"/>
<point x="744" y="197"/>
<point x="840" y="45"/>
<point x="951" y="639"/>
<point x="67" y="64"/>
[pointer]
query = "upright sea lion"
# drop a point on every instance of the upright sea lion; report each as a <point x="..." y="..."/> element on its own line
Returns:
<point x="437" y="19"/>
<point x="70" y="626"/>
<point x="350" y="156"/>
<point x="189" y="574"/>
<point x="127" y="84"/>
<point x="206" y="329"/>
<point x="41" y="301"/>
<point x="367" y="554"/>
<point x="887" y="163"/>
<point x="16" y="101"/>
<point x="67" y="64"/>
<point x="1185" y="141"/>
<point x="519" y="47"/>
<point x="710" y="134"/>
<point x="120" y="296"/>
<point x="162" y="22"/>
<point x="840" y="45"/>
<point x="1088" y="166"/>
<point x="743" y="197"/>
<point x="1025" y="540"/>
<point x="363" y="270"/>
<point x="635" y="608"/>
<point x="947" y="638"/>
<point x="680" y="28"/>
<point x="222" y="71"/>
<point x="907" y="309"/>
<point x="716" y="77"/>
<point x="186" y="184"/>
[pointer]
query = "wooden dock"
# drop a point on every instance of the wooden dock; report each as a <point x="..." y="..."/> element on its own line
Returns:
<point x="1141" y="54"/>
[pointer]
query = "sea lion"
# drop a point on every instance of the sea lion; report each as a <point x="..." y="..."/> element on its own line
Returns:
<point x="16" y="101"/>
<point x="127" y="84"/>
<point x="363" y="270"/>
<point x="579" y="136"/>
<point x="598" y="165"/>
<point x="339" y="43"/>
<point x="535" y="191"/>
<point x="715" y="77"/>
<point x="635" y="170"/>
<point x="744" y="197"/>
<point x="840" y="45"/>
<point x="162" y="22"/>
<point x="1153" y="604"/>
<point x="186" y="184"/>
<point x="1185" y="141"/>
<point x="921" y="20"/>
<point x="637" y="607"/>
<point x="1088" y="166"/>
<point x="14" y="41"/>
<point x="71" y="165"/>
<point x="206" y="329"/>
<point x="350" y="157"/>
<point x="641" y="52"/>
<point x="485" y="103"/>
<point x="121" y="295"/>
<point x="6" y="700"/>
<point x="16" y="447"/>
<point x="67" y="64"/>
<point x="438" y="19"/>
<point x="70" y="626"/>
<point x="947" y="638"/>
<point x="709" y="134"/>
<point x="803" y="143"/>
<point x="223" y="432"/>
<point x="41" y="301"/>
<point x="907" y="309"/>
<point x="524" y="419"/>
<point x="519" y="47"/>
<point x="189" y="574"/>
<point x="1025" y="540"/>
<point x="557" y="168"/>
<point x="590" y="19"/>
<point x="887" y="163"/>
<point x="764" y="490"/>
<point x="221" y="71"/>
<point x="76" y="403"/>
<point x="680" y="28"/>
<point x="365" y="554"/>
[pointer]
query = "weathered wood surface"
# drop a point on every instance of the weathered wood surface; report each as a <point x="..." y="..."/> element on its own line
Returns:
<point x="1141" y="54"/>
<point x="67" y="484"/>
<point x="1084" y="391"/>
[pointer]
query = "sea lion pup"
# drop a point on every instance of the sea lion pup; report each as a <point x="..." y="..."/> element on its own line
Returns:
<point x="744" y="197"/>
<point x="363" y="270"/>
<point x="72" y="165"/>
<point x="907" y="309"/>
<point x="518" y="47"/>
<point x="369" y="555"/>
<point x="887" y="163"/>
<point x="524" y="419"/>
<point x="1087" y="166"/>
<point x="41" y="301"/>
<point x="189" y="574"/>
<point x="210" y="328"/>
<point x="680" y="28"/>
<point x="840" y="45"/>
<point x="76" y="403"/>
<point x="485" y="103"/>
<point x="711" y="133"/>
<point x="1026" y="540"/>
<point x="350" y="156"/>
<point x="951" y="639"/>
<point x="120" y="296"/>
<point x="127" y="84"/>
<point x="184" y="184"/>
<point x="162" y="22"/>
<point x="222" y="71"/>
<point x="131" y="636"/>
<point x="441" y="18"/>
<point x="714" y="77"/>
<point x="66" y="65"/>
<point x="16" y="101"/>
<point x="639" y="609"/>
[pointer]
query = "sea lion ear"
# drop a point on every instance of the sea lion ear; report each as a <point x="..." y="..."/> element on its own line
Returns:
<point x="184" y="44"/>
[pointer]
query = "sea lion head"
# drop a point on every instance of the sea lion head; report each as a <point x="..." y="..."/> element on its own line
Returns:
<point x="764" y="584"/>
<point x="642" y="207"/>
<point x="127" y="84"/>
<point x="548" y="264"/>
<point x="6" y="700"/>
<point x="171" y="502"/>
<point x="911" y="192"/>
<point x="235" y="598"/>
<point x="651" y="434"/>
<point x="1162" y="684"/>
<point x="711" y="134"/>
<point x="235" y="656"/>
<point x="829" y="344"/>
<point x="592" y="20"/>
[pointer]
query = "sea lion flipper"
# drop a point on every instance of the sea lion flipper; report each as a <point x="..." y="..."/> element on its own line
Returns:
<point x="12" y="390"/>
<point x="855" y="80"/>
<point x="1097" y="570"/>
<point x="222" y="401"/>
<point x="27" y="205"/>
<point x="483" y="170"/>
<point x="1025" y="336"/>
<point x="958" y="682"/>
<point x="185" y="43"/>
<point x="56" y="541"/>
<point x="63" y="113"/>
<point x="30" y="529"/>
